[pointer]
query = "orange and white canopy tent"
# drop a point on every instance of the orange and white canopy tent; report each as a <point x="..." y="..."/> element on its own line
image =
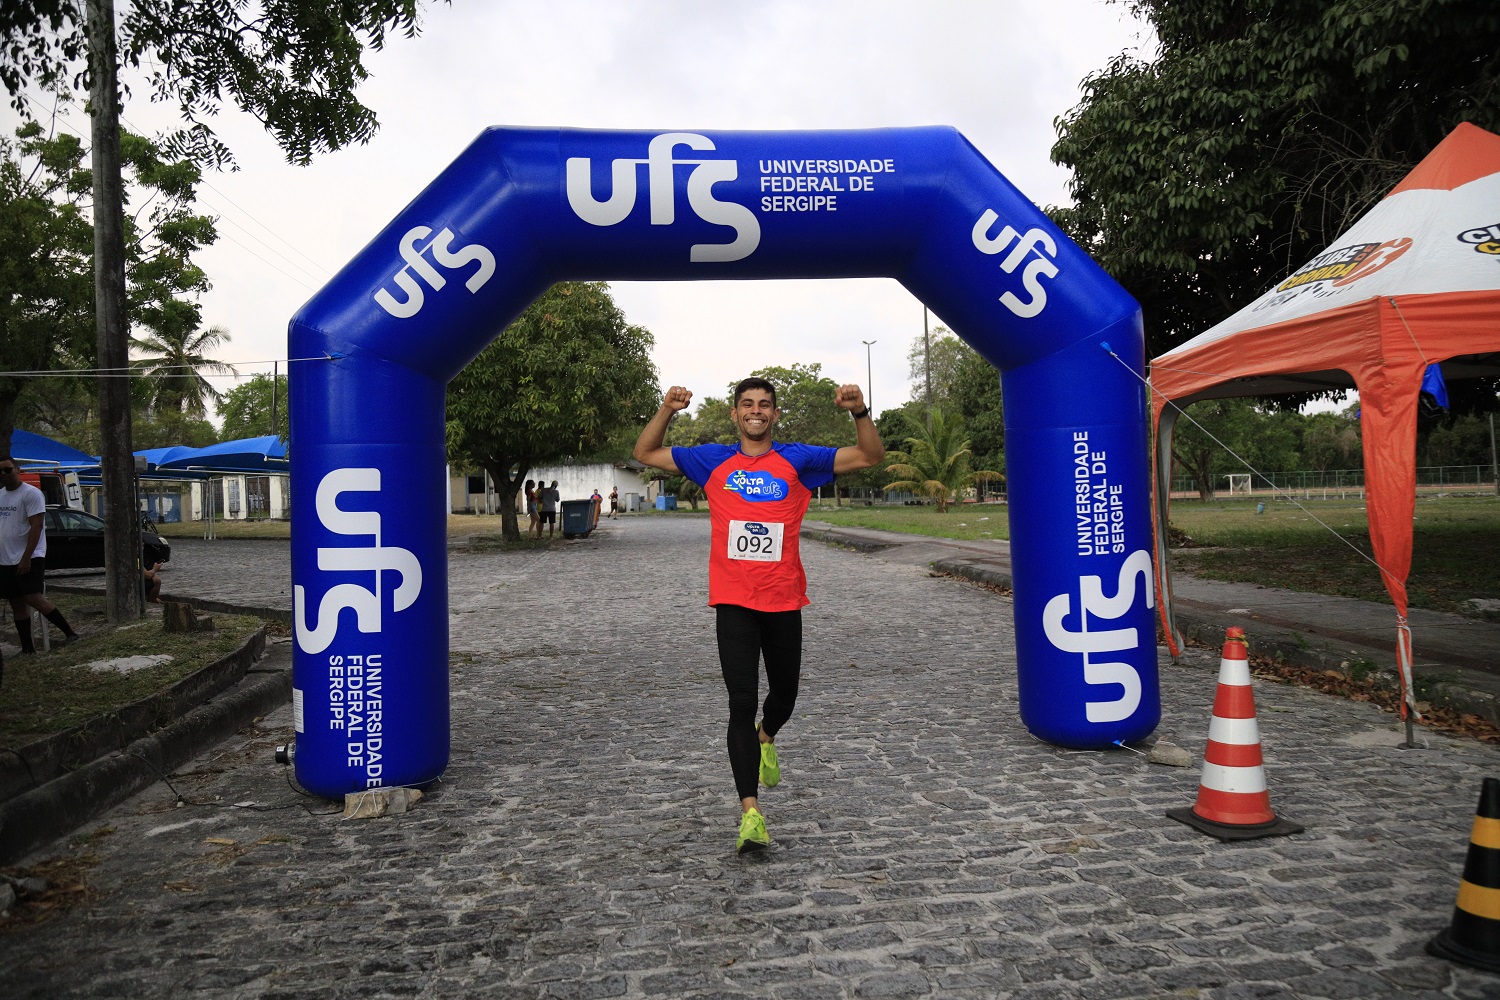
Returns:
<point x="1414" y="282"/>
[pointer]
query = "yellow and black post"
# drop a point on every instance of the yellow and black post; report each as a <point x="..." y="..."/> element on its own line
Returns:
<point x="1474" y="937"/>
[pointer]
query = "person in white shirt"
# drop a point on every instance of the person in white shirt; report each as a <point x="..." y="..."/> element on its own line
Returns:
<point x="23" y="552"/>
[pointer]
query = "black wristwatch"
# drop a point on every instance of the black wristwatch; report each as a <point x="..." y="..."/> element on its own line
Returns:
<point x="861" y="414"/>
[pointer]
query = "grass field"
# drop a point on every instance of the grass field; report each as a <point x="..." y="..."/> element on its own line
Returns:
<point x="48" y="692"/>
<point x="1455" y="550"/>
<point x="1455" y="557"/>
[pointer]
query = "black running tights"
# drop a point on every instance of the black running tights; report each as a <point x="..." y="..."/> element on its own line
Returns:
<point x="744" y="636"/>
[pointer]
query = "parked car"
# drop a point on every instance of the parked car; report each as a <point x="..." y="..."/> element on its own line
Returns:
<point x="75" y="540"/>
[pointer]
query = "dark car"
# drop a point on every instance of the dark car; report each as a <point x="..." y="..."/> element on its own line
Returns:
<point x="75" y="540"/>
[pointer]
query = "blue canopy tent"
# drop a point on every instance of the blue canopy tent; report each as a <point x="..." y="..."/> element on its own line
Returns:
<point x="257" y="455"/>
<point x="30" y="450"/>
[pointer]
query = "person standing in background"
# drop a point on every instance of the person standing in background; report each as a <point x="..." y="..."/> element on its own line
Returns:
<point x="23" y="552"/>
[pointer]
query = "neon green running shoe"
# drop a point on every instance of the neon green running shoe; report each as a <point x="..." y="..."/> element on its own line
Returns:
<point x="753" y="836"/>
<point x="770" y="769"/>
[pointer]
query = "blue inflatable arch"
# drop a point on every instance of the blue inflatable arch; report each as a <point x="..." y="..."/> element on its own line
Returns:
<point x="521" y="209"/>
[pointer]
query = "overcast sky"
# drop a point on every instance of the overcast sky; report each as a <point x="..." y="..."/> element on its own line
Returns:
<point x="998" y="70"/>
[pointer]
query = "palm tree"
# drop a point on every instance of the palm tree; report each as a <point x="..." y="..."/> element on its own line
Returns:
<point x="177" y="355"/>
<point x="936" y="462"/>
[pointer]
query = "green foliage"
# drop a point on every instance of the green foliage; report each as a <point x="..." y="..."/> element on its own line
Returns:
<point x="46" y="257"/>
<point x="294" y="66"/>
<point x="936" y="462"/>
<point x="1258" y="133"/>
<point x="168" y="428"/>
<point x="46" y="260"/>
<point x="939" y="354"/>
<point x="554" y="385"/>
<point x="1265" y="440"/>
<point x="976" y="394"/>
<point x="176" y="355"/>
<point x="1331" y="441"/>
<point x="246" y="409"/>
<point x="1462" y="439"/>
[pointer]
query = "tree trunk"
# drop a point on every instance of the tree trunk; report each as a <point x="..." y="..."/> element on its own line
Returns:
<point x="122" y="538"/>
<point x="508" y="486"/>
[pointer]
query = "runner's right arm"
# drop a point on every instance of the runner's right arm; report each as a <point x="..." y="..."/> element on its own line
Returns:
<point x="649" y="447"/>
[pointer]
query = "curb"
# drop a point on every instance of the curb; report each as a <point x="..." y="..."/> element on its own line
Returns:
<point x="43" y="815"/>
<point x="29" y="767"/>
<point x="38" y="817"/>
<point x="1470" y="692"/>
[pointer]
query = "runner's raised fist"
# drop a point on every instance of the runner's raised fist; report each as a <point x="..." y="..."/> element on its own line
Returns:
<point x="849" y="397"/>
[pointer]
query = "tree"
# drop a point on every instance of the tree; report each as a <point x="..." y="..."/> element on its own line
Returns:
<point x="1462" y="439"/>
<point x="293" y="66"/>
<point x="178" y="356"/>
<point x="46" y="285"/>
<point x="1215" y="437"/>
<point x="1258" y="133"/>
<point x="976" y="397"/>
<point x="941" y="361"/>
<point x="166" y="428"/>
<point x="1332" y="441"/>
<point x="256" y="408"/>
<point x="935" y="463"/>
<point x="46" y="259"/>
<point x="556" y="383"/>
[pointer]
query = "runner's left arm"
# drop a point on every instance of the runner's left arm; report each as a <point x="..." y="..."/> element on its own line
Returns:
<point x="867" y="449"/>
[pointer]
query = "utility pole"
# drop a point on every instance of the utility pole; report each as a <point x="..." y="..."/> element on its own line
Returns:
<point x="122" y="534"/>
<point x="869" y="377"/>
<point x="927" y="364"/>
<point x="275" y="385"/>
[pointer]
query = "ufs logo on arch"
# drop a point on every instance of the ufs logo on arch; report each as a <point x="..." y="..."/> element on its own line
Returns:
<point x="362" y="568"/>
<point x="662" y="162"/>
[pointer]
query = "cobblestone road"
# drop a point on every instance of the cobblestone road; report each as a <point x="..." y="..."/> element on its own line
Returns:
<point x="581" y="843"/>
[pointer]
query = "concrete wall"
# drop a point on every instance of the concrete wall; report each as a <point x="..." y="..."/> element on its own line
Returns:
<point x="574" y="482"/>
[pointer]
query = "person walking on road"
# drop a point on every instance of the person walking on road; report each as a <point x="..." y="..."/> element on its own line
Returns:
<point x="23" y="552"/>
<point x="758" y="494"/>
<point x="614" y="502"/>
<point x="549" y="497"/>
<point x="534" y="523"/>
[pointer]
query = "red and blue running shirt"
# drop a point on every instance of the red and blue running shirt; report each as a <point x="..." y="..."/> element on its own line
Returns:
<point x="756" y="505"/>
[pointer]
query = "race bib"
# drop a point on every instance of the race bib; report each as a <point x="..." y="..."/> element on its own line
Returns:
<point x="757" y="540"/>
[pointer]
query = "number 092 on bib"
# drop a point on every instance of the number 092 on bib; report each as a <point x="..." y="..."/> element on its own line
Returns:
<point x="756" y="540"/>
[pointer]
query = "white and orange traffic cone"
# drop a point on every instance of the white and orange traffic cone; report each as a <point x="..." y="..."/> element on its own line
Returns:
<point x="1233" y="802"/>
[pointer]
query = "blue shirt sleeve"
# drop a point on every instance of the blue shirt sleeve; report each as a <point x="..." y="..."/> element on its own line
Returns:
<point x="814" y="463"/>
<point x="700" y="461"/>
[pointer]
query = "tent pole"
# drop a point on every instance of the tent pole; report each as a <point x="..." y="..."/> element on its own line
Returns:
<point x="1494" y="463"/>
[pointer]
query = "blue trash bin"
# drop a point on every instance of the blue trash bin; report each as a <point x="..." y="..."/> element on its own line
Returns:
<point x="577" y="518"/>
<point x="667" y="501"/>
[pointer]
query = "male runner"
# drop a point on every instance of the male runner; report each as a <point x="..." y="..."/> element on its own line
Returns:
<point x="757" y="493"/>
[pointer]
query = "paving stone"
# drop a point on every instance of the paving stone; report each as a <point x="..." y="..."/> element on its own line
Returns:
<point x="924" y="845"/>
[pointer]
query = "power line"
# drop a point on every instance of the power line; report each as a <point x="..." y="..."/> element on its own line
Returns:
<point x="224" y="216"/>
<point x="164" y="371"/>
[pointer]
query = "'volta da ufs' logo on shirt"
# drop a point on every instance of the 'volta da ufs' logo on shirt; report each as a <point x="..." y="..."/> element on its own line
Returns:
<point x="756" y="487"/>
<point x="661" y="182"/>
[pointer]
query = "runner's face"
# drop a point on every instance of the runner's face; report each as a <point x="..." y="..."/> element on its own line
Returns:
<point x="10" y="476"/>
<point x="755" y="414"/>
